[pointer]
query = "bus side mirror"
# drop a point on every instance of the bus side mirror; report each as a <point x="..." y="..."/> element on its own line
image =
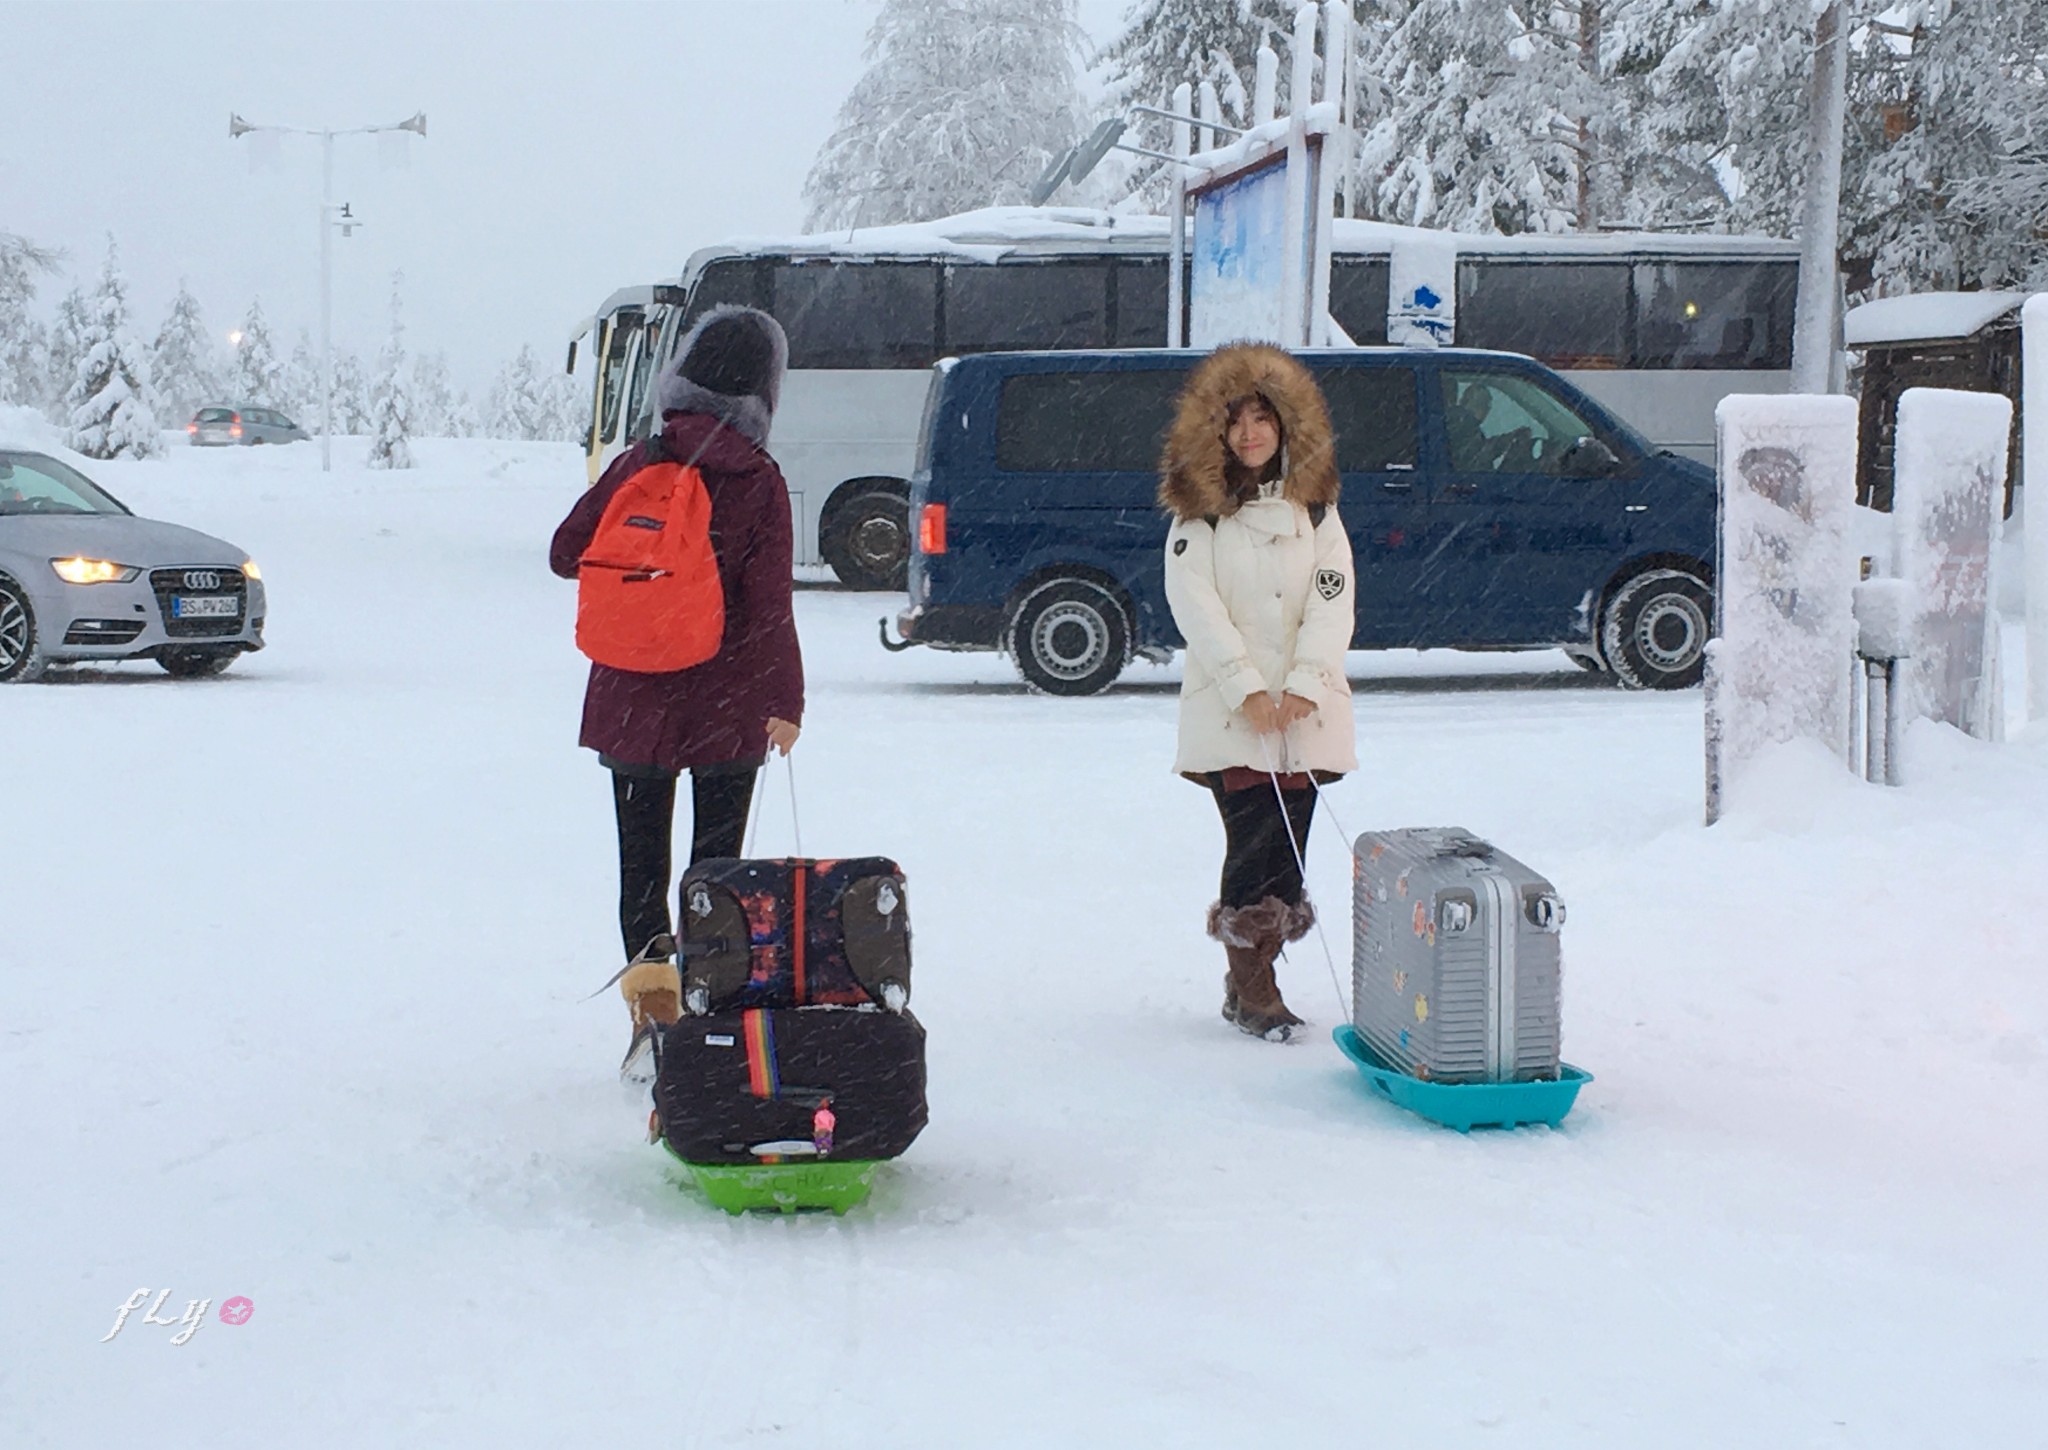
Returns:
<point x="1589" y="458"/>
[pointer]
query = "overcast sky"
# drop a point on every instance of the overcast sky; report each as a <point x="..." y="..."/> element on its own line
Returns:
<point x="570" y="149"/>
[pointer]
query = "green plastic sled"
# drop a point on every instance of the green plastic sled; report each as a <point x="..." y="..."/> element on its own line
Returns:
<point x="784" y="1187"/>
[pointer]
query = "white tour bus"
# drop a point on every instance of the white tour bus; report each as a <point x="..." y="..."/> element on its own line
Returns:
<point x="1660" y="328"/>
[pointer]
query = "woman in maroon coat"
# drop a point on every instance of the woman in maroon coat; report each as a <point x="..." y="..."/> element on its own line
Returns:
<point x="716" y="720"/>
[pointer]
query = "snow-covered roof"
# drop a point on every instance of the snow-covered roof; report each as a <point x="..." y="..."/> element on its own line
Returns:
<point x="1926" y="316"/>
<point x="992" y="233"/>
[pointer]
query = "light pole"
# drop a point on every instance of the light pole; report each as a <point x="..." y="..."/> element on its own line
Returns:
<point x="330" y="217"/>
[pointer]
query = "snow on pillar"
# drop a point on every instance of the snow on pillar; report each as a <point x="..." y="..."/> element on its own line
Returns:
<point x="1948" y="485"/>
<point x="1778" y="669"/>
<point x="1813" y="316"/>
<point x="1211" y="112"/>
<point x="2034" y="494"/>
<point x="1294" y="280"/>
<point x="1176" y="334"/>
<point x="1266" y="87"/>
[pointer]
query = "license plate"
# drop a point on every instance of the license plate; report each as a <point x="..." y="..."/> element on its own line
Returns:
<point x="216" y="606"/>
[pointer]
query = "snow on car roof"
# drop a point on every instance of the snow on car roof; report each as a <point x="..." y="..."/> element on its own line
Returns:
<point x="1925" y="316"/>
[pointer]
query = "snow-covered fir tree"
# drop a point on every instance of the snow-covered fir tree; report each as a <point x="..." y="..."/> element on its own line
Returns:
<point x="566" y="402"/>
<point x="184" y="362"/>
<point x="963" y="104"/>
<point x="1953" y="187"/>
<point x="113" y="406"/>
<point x="67" y="345"/>
<point x="258" y="378"/>
<point x="351" y="393"/>
<point x="391" y="404"/>
<point x="1487" y="113"/>
<point x="23" y="340"/>
<point x="518" y="405"/>
<point x="433" y="396"/>
<point x="1167" y="42"/>
<point x="298" y="389"/>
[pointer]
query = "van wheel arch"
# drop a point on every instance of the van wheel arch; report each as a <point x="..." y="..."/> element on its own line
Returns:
<point x="864" y="532"/>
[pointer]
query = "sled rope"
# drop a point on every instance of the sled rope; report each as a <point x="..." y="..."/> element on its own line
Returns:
<point x="1301" y="864"/>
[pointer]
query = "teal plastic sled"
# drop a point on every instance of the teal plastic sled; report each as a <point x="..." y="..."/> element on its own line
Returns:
<point x="1465" y="1105"/>
<point x="784" y="1187"/>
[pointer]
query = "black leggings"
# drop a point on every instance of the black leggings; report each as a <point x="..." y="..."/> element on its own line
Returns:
<point x="1258" y="858"/>
<point x="647" y="810"/>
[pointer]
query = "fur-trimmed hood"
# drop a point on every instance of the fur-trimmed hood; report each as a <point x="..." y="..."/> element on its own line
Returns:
<point x="1191" y="482"/>
<point x="749" y="413"/>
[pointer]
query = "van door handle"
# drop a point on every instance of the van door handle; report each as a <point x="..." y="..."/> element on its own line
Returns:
<point x="1397" y="485"/>
<point x="1462" y="489"/>
<point x="1635" y="508"/>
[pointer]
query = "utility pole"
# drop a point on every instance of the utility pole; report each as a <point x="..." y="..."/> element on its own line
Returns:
<point x="330" y="217"/>
<point x="1813" y="317"/>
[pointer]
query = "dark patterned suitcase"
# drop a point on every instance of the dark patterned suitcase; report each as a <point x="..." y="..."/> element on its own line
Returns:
<point x="790" y="1084"/>
<point x="794" y="933"/>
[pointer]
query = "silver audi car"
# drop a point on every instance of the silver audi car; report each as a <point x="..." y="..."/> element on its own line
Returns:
<point x="82" y="578"/>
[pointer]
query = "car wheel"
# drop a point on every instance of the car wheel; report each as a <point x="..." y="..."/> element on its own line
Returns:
<point x="1070" y="637"/>
<point x="21" y="655"/>
<point x="867" y="540"/>
<point x="1656" y="628"/>
<point x="195" y="663"/>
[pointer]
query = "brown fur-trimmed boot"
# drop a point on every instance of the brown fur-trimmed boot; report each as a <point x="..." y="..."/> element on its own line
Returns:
<point x="653" y="989"/>
<point x="1252" y="937"/>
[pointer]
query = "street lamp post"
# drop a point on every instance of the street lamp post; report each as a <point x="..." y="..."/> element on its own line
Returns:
<point x="330" y="218"/>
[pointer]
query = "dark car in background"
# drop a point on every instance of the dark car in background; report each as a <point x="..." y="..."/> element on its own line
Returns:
<point x="219" y="427"/>
<point x="1491" y="506"/>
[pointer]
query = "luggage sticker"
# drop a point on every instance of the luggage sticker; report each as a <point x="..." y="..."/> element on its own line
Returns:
<point x="760" y="1034"/>
<point x="1400" y="986"/>
<point x="1421" y="1008"/>
<point x="1401" y="884"/>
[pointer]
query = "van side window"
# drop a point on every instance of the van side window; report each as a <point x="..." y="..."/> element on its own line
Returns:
<point x="857" y="314"/>
<point x="624" y="325"/>
<point x="1358" y="297"/>
<point x="1026" y="306"/>
<point x="1504" y="423"/>
<point x="1372" y="410"/>
<point x="1564" y="314"/>
<point x="1085" y="422"/>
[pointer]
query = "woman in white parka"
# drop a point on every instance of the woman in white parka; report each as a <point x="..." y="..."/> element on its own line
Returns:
<point x="1259" y="577"/>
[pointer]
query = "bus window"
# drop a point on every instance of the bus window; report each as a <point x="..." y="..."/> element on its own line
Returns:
<point x="1358" y="297"/>
<point x="1565" y="314"/>
<point x="612" y="377"/>
<point x="1026" y="306"/>
<point x="639" y="421"/>
<point x="1735" y="315"/>
<point x="733" y="279"/>
<point x="1096" y="422"/>
<point x="1141" y="302"/>
<point x="1372" y="412"/>
<point x="858" y="314"/>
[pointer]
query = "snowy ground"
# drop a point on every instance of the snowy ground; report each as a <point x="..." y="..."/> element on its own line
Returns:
<point x="290" y="1008"/>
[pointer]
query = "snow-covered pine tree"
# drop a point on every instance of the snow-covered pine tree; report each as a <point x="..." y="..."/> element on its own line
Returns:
<point x="566" y="402"/>
<point x="257" y="377"/>
<point x="433" y="396"/>
<point x="23" y="341"/>
<point x="1485" y="103"/>
<point x="1954" y="189"/>
<point x="298" y="388"/>
<point x="67" y="345"/>
<point x="113" y="406"/>
<point x="351" y="394"/>
<point x="1166" y="42"/>
<point x="963" y="104"/>
<point x="184" y="361"/>
<point x="391" y="404"/>
<point x="517" y="407"/>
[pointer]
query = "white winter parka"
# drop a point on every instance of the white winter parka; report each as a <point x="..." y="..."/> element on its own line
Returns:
<point x="1266" y="601"/>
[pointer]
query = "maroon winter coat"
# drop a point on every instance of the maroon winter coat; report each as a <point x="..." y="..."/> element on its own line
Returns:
<point x="717" y="712"/>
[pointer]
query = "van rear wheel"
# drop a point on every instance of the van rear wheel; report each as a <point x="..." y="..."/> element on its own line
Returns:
<point x="1070" y="637"/>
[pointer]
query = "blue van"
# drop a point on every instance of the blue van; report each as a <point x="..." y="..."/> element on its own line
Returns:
<point x="1491" y="505"/>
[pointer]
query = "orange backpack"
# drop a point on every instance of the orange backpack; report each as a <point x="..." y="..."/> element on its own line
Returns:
<point x="648" y="598"/>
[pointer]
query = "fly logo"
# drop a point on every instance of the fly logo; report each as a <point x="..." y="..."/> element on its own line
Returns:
<point x="235" y="1311"/>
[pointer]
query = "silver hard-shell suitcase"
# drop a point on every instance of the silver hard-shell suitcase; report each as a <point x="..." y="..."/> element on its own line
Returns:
<point x="1456" y="960"/>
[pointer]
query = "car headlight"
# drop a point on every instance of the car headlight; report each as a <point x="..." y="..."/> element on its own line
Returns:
<point x="249" y="570"/>
<point x="92" y="571"/>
